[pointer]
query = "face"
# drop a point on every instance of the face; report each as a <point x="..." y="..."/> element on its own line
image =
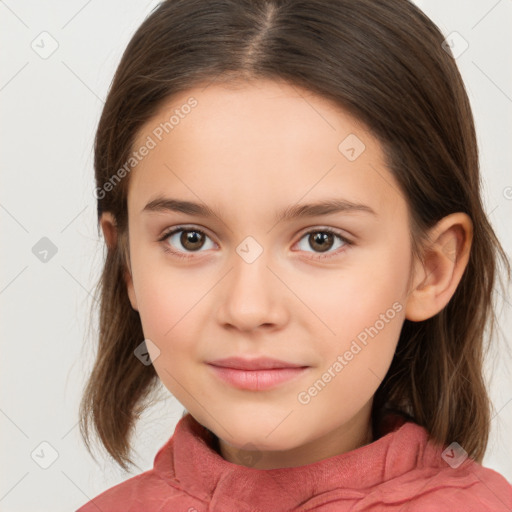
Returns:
<point x="324" y="290"/>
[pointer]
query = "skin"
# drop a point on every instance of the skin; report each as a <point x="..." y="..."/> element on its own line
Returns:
<point x="247" y="152"/>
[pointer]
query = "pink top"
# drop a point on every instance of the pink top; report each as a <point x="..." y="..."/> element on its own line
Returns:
<point x="398" y="471"/>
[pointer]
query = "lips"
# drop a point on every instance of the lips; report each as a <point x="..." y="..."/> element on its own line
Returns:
<point x="261" y="363"/>
<point x="259" y="374"/>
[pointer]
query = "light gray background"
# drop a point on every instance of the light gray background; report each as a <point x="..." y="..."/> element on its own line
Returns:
<point x="50" y="109"/>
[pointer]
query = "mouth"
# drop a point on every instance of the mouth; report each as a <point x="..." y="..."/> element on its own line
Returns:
<point x="256" y="374"/>
<point x="259" y="363"/>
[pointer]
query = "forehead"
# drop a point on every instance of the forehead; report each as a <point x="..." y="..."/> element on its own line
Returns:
<point x="258" y="142"/>
<point x="255" y="112"/>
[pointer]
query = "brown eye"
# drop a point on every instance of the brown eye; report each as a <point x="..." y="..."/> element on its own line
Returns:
<point x="321" y="241"/>
<point x="183" y="241"/>
<point x="192" y="240"/>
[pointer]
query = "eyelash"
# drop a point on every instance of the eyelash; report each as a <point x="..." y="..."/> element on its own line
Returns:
<point x="180" y="254"/>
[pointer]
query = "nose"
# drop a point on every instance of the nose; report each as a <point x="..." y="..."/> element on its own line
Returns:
<point x="252" y="295"/>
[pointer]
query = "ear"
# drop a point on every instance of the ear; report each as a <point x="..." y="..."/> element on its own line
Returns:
<point x="110" y="233"/>
<point x="444" y="260"/>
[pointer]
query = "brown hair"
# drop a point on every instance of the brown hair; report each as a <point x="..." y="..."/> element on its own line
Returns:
<point x="381" y="61"/>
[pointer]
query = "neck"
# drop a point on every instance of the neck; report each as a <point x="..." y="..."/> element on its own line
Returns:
<point x="354" y="434"/>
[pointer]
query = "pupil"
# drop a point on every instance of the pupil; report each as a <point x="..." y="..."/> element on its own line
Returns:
<point x="190" y="237"/>
<point x="322" y="241"/>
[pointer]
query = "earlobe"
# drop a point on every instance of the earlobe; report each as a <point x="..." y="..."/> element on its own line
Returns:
<point x="445" y="258"/>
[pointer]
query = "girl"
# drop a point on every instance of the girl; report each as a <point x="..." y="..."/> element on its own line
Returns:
<point x="297" y="249"/>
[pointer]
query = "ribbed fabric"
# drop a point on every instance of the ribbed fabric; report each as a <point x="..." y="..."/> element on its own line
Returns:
<point x="400" y="471"/>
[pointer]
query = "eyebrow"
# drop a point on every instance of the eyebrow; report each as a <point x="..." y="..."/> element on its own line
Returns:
<point x="325" y="207"/>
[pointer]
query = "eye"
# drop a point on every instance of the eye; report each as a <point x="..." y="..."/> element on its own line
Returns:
<point x="191" y="239"/>
<point x="323" y="240"/>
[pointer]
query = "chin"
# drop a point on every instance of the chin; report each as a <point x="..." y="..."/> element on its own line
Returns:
<point x="258" y="437"/>
<point x="256" y="425"/>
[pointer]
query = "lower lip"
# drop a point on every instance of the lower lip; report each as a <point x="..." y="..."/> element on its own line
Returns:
<point x="257" y="380"/>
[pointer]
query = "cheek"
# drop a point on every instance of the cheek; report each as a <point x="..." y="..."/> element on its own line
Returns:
<point x="355" y="361"/>
<point x="363" y="306"/>
<point x="168" y="305"/>
<point x="166" y="296"/>
<point x="354" y="298"/>
<point x="171" y="303"/>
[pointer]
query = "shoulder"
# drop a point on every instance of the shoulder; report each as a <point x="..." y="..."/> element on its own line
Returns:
<point x="433" y="483"/>
<point x="472" y="488"/>
<point x="158" y="488"/>
<point x="422" y="475"/>
<point x="136" y="493"/>
<point x="145" y="492"/>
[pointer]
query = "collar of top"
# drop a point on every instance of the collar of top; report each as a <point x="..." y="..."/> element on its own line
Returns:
<point x="191" y="462"/>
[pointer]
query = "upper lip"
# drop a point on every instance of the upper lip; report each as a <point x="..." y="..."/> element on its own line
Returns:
<point x="260" y="363"/>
